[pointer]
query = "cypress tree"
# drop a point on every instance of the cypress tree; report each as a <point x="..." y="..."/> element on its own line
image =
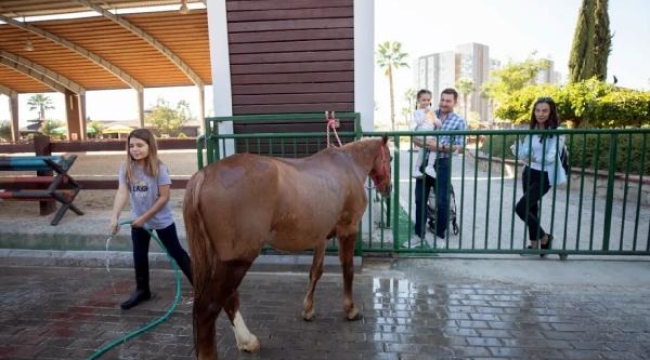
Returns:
<point x="581" y="62"/>
<point x="602" y="40"/>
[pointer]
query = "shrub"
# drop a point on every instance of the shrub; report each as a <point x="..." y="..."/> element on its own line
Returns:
<point x="591" y="151"/>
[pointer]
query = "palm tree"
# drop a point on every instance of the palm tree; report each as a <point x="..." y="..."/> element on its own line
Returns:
<point x="391" y="57"/>
<point x="465" y="87"/>
<point x="41" y="103"/>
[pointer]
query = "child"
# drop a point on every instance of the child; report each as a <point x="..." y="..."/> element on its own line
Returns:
<point x="145" y="181"/>
<point x="424" y="119"/>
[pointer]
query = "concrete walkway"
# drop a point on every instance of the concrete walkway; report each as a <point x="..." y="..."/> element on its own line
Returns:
<point x="413" y="309"/>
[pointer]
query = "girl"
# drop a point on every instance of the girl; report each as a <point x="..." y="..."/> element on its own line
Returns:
<point x="542" y="170"/>
<point x="145" y="181"/>
<point x="424" y="119"/>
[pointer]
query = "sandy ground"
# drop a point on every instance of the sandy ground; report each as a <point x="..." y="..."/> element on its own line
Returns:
<point x="90" y="201"/>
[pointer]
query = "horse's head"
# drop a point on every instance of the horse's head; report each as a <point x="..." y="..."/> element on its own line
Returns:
<point x="381" y="170"/>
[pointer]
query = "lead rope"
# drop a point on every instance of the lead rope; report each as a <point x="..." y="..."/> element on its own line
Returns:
<point x="332" y="122"/>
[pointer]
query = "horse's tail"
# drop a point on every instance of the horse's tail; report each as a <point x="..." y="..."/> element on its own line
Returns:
<point x="199" y="243"/>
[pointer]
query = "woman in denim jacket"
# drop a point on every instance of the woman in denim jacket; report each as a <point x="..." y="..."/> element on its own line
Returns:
<point x="543" y="169"/>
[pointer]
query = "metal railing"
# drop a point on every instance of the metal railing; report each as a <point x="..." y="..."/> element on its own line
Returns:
<point x="603" y="208"/>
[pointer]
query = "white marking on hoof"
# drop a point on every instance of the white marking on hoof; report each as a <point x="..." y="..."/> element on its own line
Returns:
<point x="246" y="341"/>
<point x="354" y="314"/>
<point x="308" y="315"/>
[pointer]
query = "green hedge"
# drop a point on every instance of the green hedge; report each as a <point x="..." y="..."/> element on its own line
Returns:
<point x="588" y="104"/>
<point x="593" y="151"/>
<point x="590" y="151"/>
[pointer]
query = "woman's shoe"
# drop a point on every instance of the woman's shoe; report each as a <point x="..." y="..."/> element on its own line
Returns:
<point x="547" y="246"/>
<point x="549" y="240"/>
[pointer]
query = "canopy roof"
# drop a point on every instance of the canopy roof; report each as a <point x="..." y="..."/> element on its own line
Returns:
<point x="105" y="51"/>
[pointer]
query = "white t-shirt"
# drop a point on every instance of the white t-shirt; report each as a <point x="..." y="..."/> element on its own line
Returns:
<point x="423" y="121"/>
<point x="143" y="194"/>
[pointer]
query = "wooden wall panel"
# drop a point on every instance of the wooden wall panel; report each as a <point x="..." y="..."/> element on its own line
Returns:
<point x="291" y="56"/>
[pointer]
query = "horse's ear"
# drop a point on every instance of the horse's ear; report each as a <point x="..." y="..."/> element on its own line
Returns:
<point x="384" y="139"/>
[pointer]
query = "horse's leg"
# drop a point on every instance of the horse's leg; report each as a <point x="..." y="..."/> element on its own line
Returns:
<point x="346" y="253"/>
<point x="205" y="312"/>
<point x="314" y="275"/>
<point x="208" y="305"/>
<point x="245" y="339"/>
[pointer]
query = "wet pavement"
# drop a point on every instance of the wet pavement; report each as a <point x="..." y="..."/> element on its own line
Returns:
<point x="445" y="308"/>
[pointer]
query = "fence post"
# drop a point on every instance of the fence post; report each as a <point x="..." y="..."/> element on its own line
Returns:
<point x="43" y="147"/>
<point x="395" y="195"/>
<point x="610" y="191"/>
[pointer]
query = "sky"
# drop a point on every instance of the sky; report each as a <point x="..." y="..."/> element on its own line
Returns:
<point x="513" y="29"/>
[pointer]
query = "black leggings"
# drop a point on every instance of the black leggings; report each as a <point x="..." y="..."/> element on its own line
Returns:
<point x="536" y="185"/>
<point x="169" y="237"/>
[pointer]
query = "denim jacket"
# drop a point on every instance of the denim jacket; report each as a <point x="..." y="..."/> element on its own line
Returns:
<point x="549" y="162"/>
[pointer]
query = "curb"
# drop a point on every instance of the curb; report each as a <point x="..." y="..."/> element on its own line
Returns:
<point x="157" y="260"/>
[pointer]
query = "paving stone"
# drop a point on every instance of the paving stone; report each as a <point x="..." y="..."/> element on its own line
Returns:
<point x="68" y="313"/>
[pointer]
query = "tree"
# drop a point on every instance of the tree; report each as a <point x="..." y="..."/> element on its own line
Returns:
<point x="96" y="126"/>
<point x="592" y="42"/>
<point x="511" y="78"/>
<point x="5" y="131"/>
<point x="41" y="103"/>
<point x="391" y="57"/>
<point x="465" y="87"/>
<point x="602" y="40"/>
<point x="581" y="59"/>
<point x="410" y="96"/>
<point x="164" y="118"/>
<point x="588" y="103"/>
<point x="183" y="108"/>
<point x="49" y="125"/>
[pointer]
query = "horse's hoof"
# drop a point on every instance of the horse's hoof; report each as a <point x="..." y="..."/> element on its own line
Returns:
<point x="251" y="346"/>
<point x="354" y="315"/>
<point x="308" y="315"/>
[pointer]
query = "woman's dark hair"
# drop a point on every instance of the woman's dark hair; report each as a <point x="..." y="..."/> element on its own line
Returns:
<point x="553" y="118"/>
<point x="420" y="93"/>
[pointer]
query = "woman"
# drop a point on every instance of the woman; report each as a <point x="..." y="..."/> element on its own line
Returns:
<point x="543" y="169"/>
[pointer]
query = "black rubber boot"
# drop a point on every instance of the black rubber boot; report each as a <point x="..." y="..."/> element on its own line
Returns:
<point x="142" y="292"/>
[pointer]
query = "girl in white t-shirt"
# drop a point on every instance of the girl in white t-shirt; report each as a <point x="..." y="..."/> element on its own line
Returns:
<point x="144" y="182"/>
<point x="424" y="120"/>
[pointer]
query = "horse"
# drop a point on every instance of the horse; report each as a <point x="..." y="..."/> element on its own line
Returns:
<point x="234" y="207"/>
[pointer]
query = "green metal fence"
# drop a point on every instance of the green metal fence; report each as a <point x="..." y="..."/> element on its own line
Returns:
<point x="603" y="208"/>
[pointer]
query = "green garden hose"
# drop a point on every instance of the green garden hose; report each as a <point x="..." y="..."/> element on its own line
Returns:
<point x="106" y="348"/>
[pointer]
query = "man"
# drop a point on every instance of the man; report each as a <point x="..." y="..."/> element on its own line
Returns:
<point x="443" y="146"/>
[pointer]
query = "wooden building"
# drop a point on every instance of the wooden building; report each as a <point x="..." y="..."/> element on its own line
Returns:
<point x="261" y="56"/>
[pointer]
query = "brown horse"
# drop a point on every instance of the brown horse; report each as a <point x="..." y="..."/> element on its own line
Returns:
<point x="234" y="207"/>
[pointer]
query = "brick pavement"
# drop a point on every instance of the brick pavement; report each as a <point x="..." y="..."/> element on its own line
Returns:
<point x="411" y="311"/>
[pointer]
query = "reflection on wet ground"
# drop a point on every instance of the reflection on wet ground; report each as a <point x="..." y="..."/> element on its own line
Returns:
<point x="410" y="312"/>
